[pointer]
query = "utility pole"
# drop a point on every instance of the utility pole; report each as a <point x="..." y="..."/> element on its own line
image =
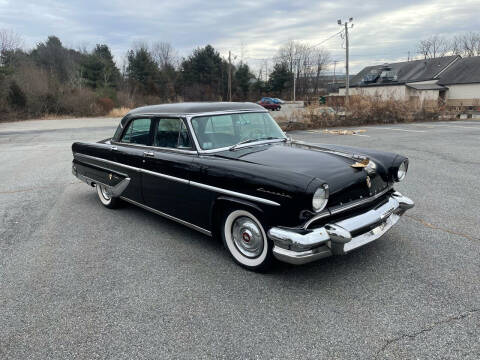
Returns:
<point x="347" y="24"/>
<point x="294" y="77"/>
<point x="229" y="76"/>
<point x="295" y="69"/>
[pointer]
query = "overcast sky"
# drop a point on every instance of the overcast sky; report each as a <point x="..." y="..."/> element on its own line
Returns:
<point x="384" y="31"/>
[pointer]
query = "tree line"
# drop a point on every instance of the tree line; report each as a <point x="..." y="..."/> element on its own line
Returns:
<point x="54" y="79"/>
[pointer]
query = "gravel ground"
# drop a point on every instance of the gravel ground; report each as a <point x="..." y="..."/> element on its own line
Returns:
<point x="80" y="281"/>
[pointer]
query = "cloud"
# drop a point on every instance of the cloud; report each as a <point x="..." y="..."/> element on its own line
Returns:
<point x="384" y="30"/>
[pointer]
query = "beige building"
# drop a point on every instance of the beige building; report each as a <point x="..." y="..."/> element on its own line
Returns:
<point x="450" y="80"/>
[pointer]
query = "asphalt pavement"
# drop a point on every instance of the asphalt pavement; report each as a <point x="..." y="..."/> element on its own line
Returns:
<point x="79" y="281"/>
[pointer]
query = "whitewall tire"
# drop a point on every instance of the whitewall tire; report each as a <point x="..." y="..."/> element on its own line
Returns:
<point x="246" y="240"/>
<point x="107" y="200"/>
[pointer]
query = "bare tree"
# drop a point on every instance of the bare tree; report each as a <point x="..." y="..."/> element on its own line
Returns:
<point x="164" y="55"/>
<point x="433" y="47"/>
<point x="466" y="44"/>
<point x="306" y="62"/>
<point x="321" y="60"/>
<point x="9" y="40"/>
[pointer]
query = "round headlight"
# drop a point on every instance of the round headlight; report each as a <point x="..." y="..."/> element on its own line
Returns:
<point x="402" y="171"/>
<point x="320" y="198"/>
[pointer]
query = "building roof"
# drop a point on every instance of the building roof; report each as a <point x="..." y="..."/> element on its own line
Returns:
<point x="463" y="71"/>
<point x="406" y="72"/>
<point x="426" y="86"/>
<point x="195" y="108"/>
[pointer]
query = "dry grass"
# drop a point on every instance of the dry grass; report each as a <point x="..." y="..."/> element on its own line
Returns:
<point x="362" y="110"/>
<point x="118" y="112"/>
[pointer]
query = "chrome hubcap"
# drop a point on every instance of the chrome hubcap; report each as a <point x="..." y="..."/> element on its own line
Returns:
<point x="104" y="192"/>
<point x="247" y="237"/>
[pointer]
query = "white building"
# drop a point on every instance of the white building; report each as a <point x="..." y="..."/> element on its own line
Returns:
<point x="451" y="79"/>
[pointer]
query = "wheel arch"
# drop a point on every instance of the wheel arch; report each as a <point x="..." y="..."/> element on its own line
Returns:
<point x="223" y="202"/>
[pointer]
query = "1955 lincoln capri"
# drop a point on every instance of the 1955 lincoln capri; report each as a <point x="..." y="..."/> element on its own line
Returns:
<point x="227" y="169"/>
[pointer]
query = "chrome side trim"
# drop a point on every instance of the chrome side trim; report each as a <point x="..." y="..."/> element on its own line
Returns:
<point x="80" y="155"/>
<point x="158" y="148"/>
<point x="234" y="193"/>
<point x="183" y="181"/>
<point x="114" y="191"/>
<point x="170" y="217"/>
<point x="165" y="176"/>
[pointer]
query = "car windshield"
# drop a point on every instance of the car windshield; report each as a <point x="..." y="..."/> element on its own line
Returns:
<point x="220" y="131"/>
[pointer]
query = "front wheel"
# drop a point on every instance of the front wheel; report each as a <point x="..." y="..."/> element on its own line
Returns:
<point x="105" y="198"/>
<point x="245" y="238"/>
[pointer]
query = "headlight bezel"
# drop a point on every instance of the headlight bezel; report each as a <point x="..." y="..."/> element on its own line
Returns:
<point x="321" y="194"/>
<point x="402" y="171"/>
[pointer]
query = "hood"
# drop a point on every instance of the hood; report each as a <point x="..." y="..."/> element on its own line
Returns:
<point x="329" y="167"/>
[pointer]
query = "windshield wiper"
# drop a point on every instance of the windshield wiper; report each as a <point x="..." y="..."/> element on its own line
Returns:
<point x="246" y="141"/>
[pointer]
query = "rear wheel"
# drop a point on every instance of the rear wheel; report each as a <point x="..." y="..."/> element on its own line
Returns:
<point x="245" y="239"/>
<point x="105" y="198"/>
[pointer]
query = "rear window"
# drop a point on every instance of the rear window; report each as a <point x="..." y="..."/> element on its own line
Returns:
<point x="138" y="132"/>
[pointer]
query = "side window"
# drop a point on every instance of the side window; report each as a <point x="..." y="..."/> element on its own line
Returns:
<point x="138" y="132"/>
<point x="172" y="133"/>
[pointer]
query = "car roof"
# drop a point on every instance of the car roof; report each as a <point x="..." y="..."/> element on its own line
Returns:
<point x="191" y="108"/>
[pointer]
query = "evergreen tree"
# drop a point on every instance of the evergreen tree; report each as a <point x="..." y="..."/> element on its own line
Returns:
<point x="280" y="78"/>
<point x="142" y="71"/>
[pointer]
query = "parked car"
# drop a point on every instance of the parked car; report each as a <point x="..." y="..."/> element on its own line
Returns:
<point x="274" y="100"/>
<point x="270" y="105"/>
<point x="227" y="169"/>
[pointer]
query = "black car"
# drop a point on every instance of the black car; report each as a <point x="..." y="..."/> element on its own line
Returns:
<point x="227" y="169"/>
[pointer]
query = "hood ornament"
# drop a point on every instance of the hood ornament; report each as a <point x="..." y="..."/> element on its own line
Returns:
<point x="361" y="162"/>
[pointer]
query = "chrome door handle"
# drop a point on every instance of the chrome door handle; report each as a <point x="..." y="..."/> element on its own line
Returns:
<point x="114" y="148"/>
<point x="148" y="153"/>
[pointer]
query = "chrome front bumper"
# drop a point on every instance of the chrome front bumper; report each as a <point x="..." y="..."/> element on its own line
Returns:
<point x="301" y="247"/>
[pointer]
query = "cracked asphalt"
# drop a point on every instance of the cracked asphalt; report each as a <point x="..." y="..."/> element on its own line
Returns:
<point x="79" y="281"/>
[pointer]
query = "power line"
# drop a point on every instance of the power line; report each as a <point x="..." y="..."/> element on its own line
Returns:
<point x="330" y="37"/>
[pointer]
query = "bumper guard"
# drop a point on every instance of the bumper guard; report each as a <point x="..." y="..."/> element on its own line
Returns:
<point x="340" y="237"/>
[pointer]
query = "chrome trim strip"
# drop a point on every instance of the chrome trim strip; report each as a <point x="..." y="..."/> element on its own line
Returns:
<point x="106" y="161"/>
<point x="170" y="217"/>
<point x="234" y="193"/>
<point x="220" y="112"/>
<point x="164" y="176"/>
<point x="183" y="181"/>
<point x="158" y="148"/>
<point x="342" y="208"/>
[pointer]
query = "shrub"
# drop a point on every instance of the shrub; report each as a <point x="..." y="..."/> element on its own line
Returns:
<point x="105" y="105"/>
<point x="16" y="97"/>
<point x="79" y="102"/>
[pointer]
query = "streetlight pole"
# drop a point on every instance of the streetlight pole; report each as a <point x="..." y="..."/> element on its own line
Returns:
<point x="348" y="24"/>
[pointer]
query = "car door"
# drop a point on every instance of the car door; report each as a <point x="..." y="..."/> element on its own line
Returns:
<point x="129" y="152"/>
<point x="168" y="166"/>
